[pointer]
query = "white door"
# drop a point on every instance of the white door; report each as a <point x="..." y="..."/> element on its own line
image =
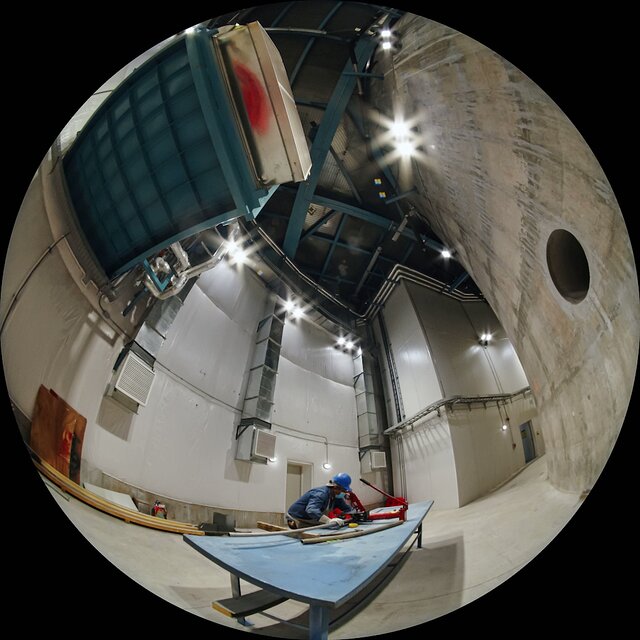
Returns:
<point x="294" y="484"/>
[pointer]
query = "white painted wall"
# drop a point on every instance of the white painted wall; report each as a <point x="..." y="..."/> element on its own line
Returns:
<point x="452" y="330"/>
<point x="434" y="340"/>
<point x="484" y="454"/>
<point x="182" y="444"/>
<point x="427" y="463"/>
<point x="416" y="371"/>
<point x="315" y="405"/>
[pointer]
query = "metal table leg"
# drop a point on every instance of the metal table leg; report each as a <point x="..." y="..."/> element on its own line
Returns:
<point x="420" y="536"/>
<point x="318" y="622"/>
<point x="235" y="592"/>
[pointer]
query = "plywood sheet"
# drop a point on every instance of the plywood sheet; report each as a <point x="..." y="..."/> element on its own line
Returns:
<point x="57" y="433"/>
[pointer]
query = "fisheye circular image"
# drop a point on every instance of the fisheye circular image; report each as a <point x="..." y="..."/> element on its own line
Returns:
<point x="318" y="320"/>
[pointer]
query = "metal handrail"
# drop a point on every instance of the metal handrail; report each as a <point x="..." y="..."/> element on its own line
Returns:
<point x="436" y="406"/>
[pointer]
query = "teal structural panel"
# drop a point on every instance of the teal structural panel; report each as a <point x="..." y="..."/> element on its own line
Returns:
<point x="161" y="159"/>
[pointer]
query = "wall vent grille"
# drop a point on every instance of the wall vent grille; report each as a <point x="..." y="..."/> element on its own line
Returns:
<point x="135" y="379"/>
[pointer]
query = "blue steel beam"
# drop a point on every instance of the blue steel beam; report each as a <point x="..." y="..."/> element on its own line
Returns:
<point x="457" y="282"/>
<point x="345" y="175"/>
<point x="312" y="229"/>
<point x="278" y="19"/>
<point x="400" y="196"/>
<point x="326" y="131"/>
<point x="307" y="47"/>
<point x="357" y="212"/>
<point x="332" y="248"/>
<point x="344" y="245"/>
<point x="305" y="33"/>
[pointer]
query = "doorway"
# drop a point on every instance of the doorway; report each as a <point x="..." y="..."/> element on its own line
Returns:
<point x="527" y="442"/>
<point x="298" y="482"/>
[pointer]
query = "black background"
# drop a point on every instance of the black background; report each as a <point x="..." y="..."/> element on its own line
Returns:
<point x="53" y="61"/>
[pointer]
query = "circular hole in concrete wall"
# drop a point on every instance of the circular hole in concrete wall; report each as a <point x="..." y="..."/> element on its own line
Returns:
<point x="568" y="265"/>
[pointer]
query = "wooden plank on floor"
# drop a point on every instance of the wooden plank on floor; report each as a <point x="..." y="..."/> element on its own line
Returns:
<point x="128" y="515"/>
<point x="267" y="526"/>
<point x="248" y="604"/>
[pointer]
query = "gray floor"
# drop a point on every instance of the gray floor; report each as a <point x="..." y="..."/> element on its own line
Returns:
<point x="466" y="553"/>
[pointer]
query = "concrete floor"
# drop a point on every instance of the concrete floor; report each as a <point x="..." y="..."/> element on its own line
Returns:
<point x="466" y="553"/>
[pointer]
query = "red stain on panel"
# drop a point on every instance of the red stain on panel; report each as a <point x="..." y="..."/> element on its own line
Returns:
<point x="254" y="96"/>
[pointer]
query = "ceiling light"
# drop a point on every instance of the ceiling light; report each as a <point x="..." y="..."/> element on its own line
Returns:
<point x="386" y="45"/>
<point x="349" y="345"/>
<point x="446" y="253"/>
<point x="399" y="129"/>
<point x="326" y="465"/>
<point x="297" y="312"/>
<point x="341" y="341"/>
<point x="406" y="148"/>
<point x="289" y="306"/>
<point x="504" y="427"/>
<point x="385" y="33"/>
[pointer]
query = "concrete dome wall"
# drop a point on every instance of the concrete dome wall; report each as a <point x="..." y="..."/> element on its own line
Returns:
<point x="502" y="169"/>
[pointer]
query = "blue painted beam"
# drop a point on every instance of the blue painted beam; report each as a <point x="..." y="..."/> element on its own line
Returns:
<point x="362" y="214"/>
<point x="306" y="33"/>
<point x="457" y="282"/>
<point x="400" y="196"/>
<point x="314" y="227"/>
<point x="344" y="245"/>
<point x="332" y="248"/>
<point x="432" y="243"/>
<point x="345" y="175"/>
<point x="278" y="19"/>
<point x="307" y="47"/>
<point x="326" y="131"/>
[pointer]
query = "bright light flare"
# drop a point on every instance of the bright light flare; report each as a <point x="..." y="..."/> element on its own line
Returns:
<point x="386" y="33"/>
<point x="446" y="253"/>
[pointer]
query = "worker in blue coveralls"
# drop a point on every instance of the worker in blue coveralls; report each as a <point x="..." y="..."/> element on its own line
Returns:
<point x="311" y="508"/>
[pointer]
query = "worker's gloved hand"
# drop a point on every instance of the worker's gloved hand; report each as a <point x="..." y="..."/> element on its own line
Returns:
<point x="337" y="521"/>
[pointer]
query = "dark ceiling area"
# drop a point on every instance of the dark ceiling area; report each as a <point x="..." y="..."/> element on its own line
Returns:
<point x="349" y="224"/>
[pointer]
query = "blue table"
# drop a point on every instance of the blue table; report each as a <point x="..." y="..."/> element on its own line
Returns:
<point x="324" y="575"/>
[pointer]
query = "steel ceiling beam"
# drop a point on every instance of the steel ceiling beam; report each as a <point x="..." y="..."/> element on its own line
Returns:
<point x="278" y="19"/>
<point x="342" y="92"/>
<point x="334" y="243"/>
<point x="345" y="174"/>
<point x="457" y="282"/>
<point x="344" y="245"/>
<point x="314" y="227"/>
<point x="362" y="214"/>
<point x="307" y="47"/>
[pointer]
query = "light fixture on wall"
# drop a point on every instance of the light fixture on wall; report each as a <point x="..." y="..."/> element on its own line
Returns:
<point x="484" y="339"/>
<point x="445" y="253"/>
<point x="326" y="465"/>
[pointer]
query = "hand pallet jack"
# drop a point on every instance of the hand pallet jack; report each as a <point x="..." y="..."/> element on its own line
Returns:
<point x="396" y="508"/>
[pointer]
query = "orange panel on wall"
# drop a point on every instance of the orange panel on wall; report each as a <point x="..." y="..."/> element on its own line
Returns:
<point x="57" y="432"/>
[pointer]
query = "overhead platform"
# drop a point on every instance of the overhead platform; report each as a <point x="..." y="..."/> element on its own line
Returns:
<point x="324" y="575"/>
<point x="201" y="134"/>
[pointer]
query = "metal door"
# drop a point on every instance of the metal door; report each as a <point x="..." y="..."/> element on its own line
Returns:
<point x="527" y="442"/>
